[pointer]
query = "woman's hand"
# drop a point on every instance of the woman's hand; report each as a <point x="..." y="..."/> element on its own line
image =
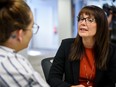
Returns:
<point x="78" y="86"/>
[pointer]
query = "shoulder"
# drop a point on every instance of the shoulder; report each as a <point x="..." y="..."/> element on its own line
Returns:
<point x="21" y="57"/>
<point x="3" y="54"/>
<point x="66" y="43"/>
<point x="112" y="47"/>
<point x="68" y="40"/>
<point x="112" y="50"/>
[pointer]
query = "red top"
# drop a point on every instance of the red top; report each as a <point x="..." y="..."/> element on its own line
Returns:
<point x="87" y="68"/>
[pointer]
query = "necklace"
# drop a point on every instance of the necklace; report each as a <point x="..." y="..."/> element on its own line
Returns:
<point x="89" y="77"/>
<point x="87" y="67"/>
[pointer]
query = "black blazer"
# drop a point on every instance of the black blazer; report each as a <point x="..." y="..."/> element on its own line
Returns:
<point x="70" y="70"/>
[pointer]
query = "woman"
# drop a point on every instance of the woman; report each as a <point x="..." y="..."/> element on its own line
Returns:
<point x="16" y="28"/>
<point x="88" y="60"/>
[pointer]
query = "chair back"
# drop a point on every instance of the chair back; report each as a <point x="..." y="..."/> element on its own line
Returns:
<point x="46" y="65"/>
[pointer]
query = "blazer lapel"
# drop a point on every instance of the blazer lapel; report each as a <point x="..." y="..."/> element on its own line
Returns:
<point x="75" y="70"/>
<point x="98" y="76"/>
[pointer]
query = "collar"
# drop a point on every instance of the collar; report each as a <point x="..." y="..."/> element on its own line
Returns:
<point x="7" y="49"/>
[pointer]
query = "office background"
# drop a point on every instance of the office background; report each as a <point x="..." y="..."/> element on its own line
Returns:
<point x="57" y="21"/>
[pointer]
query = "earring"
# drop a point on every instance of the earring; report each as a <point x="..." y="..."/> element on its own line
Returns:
<point x="13" y="36"/>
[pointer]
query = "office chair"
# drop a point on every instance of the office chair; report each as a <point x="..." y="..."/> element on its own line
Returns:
<point x="46" y="65"/>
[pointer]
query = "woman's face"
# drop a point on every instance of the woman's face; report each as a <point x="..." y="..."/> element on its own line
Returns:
<point x="86" y="26"/>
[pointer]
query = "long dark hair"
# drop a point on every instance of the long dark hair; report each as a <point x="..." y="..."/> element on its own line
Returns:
<point x="101" y="46"/>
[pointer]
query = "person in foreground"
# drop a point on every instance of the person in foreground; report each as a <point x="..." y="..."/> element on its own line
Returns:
<point x="89" y="60"/>
<point x="16" y="29"/>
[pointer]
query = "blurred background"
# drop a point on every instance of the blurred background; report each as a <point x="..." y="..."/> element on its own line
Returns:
<point x="58" y="20"/>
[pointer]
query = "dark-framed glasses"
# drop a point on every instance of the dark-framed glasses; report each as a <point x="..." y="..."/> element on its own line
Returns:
<point x="35" y="28"/>
<point x="87" y="19"/>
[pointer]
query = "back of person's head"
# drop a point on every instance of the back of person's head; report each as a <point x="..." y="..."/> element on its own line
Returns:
<point x="14" y="15"/>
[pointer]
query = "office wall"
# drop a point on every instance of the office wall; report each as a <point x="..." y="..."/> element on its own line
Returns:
<point x="54" y="19"/>
<point x="101" y="2"/>
<point x="78" y="4"/>
<point x="45" y="16"/>
<point x="64" y="19"/>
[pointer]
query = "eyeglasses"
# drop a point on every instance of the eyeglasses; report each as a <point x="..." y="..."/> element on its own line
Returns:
<point x="87" y="20"/>
<point x="35" y="28"/>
